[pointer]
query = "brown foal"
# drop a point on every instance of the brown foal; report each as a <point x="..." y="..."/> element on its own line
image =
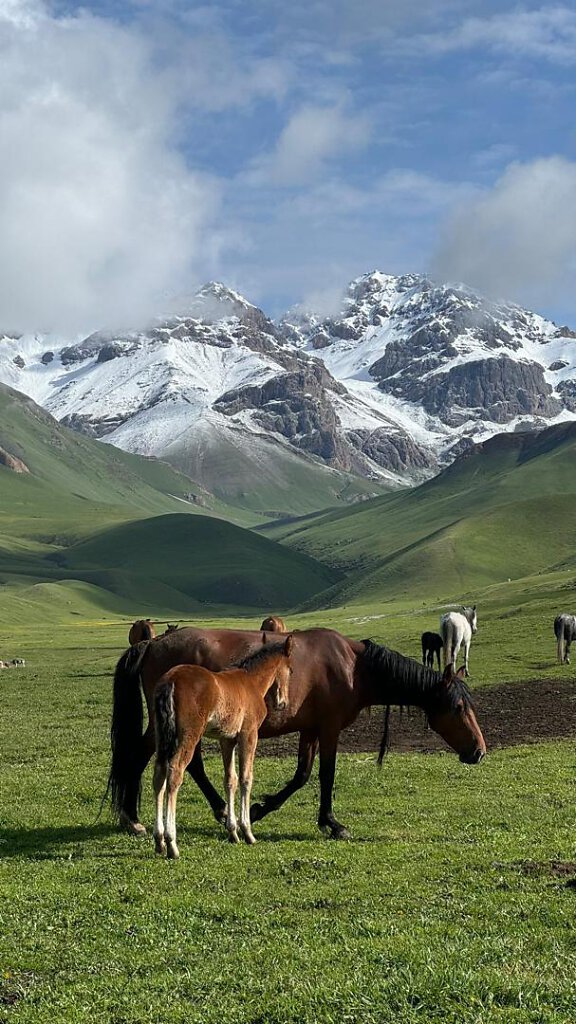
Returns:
<point x="190" y="701"/>
<point x="140" y="630"/>
<point x="273" y="624"/>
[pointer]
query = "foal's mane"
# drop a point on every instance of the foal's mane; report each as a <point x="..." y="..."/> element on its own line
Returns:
<point x="260" y="657"/>
<point x="406" y="682"/>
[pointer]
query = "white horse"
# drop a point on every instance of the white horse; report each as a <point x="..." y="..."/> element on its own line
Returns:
<point x="565" y="633"/>
<point x="457" y="628"/>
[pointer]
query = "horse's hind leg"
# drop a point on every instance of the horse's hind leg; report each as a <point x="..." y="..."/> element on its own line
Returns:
<point x="160" y="773"/>
<point x="567" y="650"/>
<point x="246" y="750"/>
<point x="128" y="816"/>
<point x="326" y="819"/>
<point x="198" y="773"/>
<point x="230" y="787"/>
<point x="272" y="801"/>
<point x="438" y="650"/>
<point x="175" y="776"/>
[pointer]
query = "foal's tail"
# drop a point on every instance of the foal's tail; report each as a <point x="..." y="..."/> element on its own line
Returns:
<point x="126" y="732"/>
<point x="165" y="717"/>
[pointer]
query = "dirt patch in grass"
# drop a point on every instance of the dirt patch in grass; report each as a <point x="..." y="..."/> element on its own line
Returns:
<point x="554" y="868"/>
<point x="508" y="715"/>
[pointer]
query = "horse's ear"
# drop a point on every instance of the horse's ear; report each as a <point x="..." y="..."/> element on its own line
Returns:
<point x="263" y="638"/>
<point x="461" y="673"/>
<point x="288" y="645"/>
<point x="474" y="608"/>
<point x="447" y="674"/>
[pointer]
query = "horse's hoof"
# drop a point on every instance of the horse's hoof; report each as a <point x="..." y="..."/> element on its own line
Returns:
<point x="134" y="828"/>
<point x="340" y="833"/>
<point x="172" y="852"/>
<point x="160" y="847"/>
<point x="233" y="837"/>
<point x="220" y="814"/>
<point x="249" y="838"/>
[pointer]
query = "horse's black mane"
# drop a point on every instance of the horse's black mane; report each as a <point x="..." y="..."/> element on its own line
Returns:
<point x="260" y="656"/>
<point x="406" y="682"/>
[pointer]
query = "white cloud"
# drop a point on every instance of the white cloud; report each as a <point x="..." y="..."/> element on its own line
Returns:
<point x="99" y="215"/>
<point x="545" y="32"/>
<point x="519" y="239"/>
<point x="311" y="138"/>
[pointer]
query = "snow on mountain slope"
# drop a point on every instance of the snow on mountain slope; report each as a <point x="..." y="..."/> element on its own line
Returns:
<point x="396" y="382"/>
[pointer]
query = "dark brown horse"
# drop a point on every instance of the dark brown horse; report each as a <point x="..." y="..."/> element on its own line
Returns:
<point x="273" y="625"/>
<point x="432" y="644"/>
<point x="142" y="629"/>
<point x="333" y="679"/>
<point x="191" y="701"/>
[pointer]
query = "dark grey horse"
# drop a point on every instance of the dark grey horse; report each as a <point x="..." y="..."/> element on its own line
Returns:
<point x="431" y="645"/>
<point x="565" y="633"/>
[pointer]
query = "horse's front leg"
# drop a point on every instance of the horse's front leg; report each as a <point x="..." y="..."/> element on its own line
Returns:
<point x="198" y="773"/>
<point x="230" y="786"/>
<point x="272" y="801"/>
<point x="246" y="749"/>
<point x="326" y="819"/>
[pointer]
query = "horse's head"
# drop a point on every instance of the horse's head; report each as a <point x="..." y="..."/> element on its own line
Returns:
<point x="283" y="673"/>
<point x="472" y="617"/>
<point x="273" y="624"/>
<point x="452" y="716"/>
<point x="171" y="627"/>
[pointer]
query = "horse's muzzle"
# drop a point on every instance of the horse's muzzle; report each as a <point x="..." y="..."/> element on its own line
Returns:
<point x="474" y="758"/>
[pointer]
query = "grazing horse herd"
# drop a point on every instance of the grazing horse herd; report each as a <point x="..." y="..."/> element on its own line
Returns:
<point x="238" y="685"/>
<point x="220" y="682"/>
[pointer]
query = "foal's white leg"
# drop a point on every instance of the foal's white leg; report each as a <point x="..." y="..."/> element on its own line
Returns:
<point x="247" y="749"/>
<point x="159" y="790"/>
<point x="175" y="776"/>
<point x="230" y="787"/>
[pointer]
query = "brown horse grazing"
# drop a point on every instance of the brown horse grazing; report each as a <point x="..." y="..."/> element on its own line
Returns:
<point x="191" y="701"/>
<point x="274" y="625"/>
<point x="333" y="679"/>
<point x="140" y="630"/>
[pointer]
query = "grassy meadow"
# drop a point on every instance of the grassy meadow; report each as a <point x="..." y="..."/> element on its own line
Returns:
<point x="452" y="902"/>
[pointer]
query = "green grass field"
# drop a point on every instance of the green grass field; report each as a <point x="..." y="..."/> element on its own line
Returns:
<point x="454" y="901"/>
<point x="450" y="904"/>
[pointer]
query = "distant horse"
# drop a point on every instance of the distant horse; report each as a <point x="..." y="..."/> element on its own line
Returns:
<point x="273" y="625"/>
<point x="431" y="645"/>
<point x="457" y="628"/>
<point x="140" y="630"/>
<point x="333" y="678"/>
<point x="171" y="627"/>
<point x="565" y="633"/>
<point x="190" y="702"/>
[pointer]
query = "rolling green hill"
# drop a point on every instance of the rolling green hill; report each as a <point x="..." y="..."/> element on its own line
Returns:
<point x="505" y="510"/>
<point x="84" y="524"/>
<point x="74" y="484"/>
<point x="180" y="557"/>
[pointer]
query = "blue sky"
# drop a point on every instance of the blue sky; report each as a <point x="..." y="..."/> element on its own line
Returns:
<point x="283" y="149"/>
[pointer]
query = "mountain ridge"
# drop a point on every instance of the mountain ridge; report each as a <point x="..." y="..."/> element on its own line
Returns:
<point x="392" y="385"/>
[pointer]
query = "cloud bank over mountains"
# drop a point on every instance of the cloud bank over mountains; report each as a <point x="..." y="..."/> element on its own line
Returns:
<point x="148" y="147"/>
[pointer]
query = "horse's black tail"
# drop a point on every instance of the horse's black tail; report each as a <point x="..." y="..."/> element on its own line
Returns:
<point x="559" y="631"/>
<point x="126" y="734"/>
<point x="165" y="717"/>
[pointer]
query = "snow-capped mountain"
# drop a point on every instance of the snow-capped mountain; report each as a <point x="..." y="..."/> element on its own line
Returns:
<point x="390" y="386"/>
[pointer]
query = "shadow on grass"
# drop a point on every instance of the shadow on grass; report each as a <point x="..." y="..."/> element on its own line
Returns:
<point x="42" y="843"/>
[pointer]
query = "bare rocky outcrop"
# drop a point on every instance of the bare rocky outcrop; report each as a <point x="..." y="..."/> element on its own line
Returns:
<point x="12" y="462"/>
